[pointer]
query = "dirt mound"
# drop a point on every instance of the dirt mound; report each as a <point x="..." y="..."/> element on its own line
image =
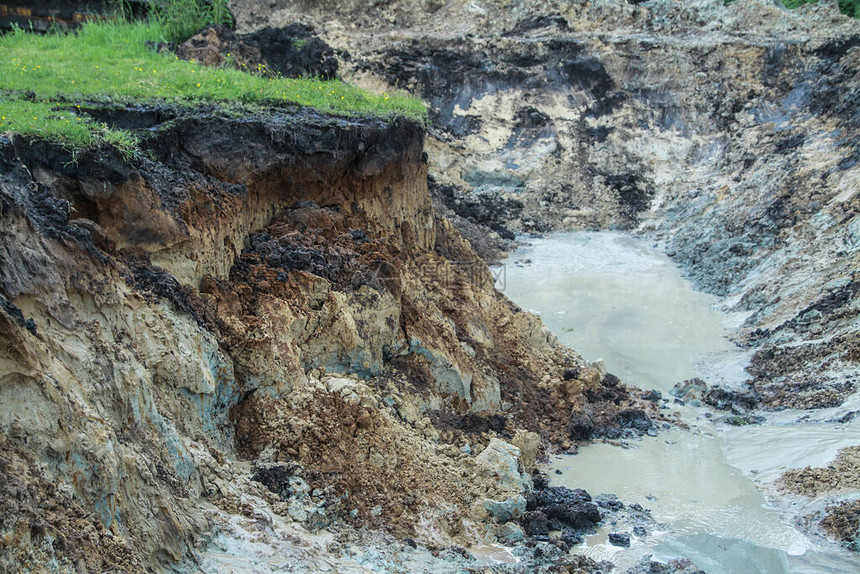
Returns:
<point x="292" y="52"/>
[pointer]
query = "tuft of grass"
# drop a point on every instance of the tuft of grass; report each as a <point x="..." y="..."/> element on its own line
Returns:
<point x="181" y="19"/>
<point x="54" y="121"/>
<point x="850" y="7"/>
<point x="792" y="4"/>
<point x="113" y="62"/>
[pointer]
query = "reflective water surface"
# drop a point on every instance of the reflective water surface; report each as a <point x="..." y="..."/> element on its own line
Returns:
<point x="614" y="297"/>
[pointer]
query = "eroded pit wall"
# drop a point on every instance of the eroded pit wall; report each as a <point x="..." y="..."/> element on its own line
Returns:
<point x="729" y="132"/>
<point x="275" y="286"/>
<point x="117" y="386"/>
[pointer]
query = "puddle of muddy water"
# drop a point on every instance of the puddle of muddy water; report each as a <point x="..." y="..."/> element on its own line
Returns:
<point x="610" y="296"/>
<point x="614" y="297"/>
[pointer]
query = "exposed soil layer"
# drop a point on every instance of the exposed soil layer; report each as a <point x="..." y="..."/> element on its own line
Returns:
<point x="842" y="475"/>
<point x="43" y="523"/>
<point x="291" y="52"/>
<point x="842" y="522"/>
<point x="729" y="132"/>
<point x="263" y="317"/>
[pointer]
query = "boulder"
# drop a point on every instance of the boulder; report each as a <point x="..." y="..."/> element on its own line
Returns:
<point x="691" y="391"/>
<point x="619" y="539"/>
<point x="535" y="523"/>
<point x="580" y="425"/>
<point x="505" y="510"/>
<point x="556" y="495"/>
<point x="510" y="533"/>
<point x="500" y="461"/>
<point x="634" y="419"/>
<point x="528" y="443"/>
<point x="577" y="516"/>
<point x="737" y="401"/>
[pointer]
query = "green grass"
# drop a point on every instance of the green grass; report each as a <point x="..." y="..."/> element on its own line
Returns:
<point x="181" y="19"/>
<point x="112" y="62"/>
<point x="56" y="122"/>
<point x="850" y="7"/>
<point x="847" y="7"/>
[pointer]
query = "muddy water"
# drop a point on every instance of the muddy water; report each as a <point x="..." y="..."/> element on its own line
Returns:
<point x="709" y="489"/>
<point x="613" y="297"/>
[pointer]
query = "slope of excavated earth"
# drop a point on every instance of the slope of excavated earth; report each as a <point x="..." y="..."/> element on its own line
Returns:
<point x="843" y="474"/>
<point x="729" y="133"/>
<point x="839" y="518"/>
<point x="259" y="339"/>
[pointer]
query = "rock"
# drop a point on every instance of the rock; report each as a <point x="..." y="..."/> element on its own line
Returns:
<point x="510" y="533"/>
<point x="609" y="501"/>
<point x="318" y="518"/>
<point x="634" y="419"/>
<point x="298" y="487"/>
<point x="480" y="335"/>
<point x="600" y="366"/>
<point x="339" y="384"/>
<point x="528" y="443"/>
<point x="447" y="376"/>
<point x="564" y="507"/>
<point x="486" y="393"/>
<point x="570" y="537"/>
<point x="631" y="434"/>
<point x="691" y="391"/>
<point x="619" y="539"/>
<point x="738" y="401"/>
<point x="649" y="566"/>
<point x="499" y="460"/>
<point x="275" y="477"/>
<point x="590" y="376"/>
<point x="298" y="511"/>
<point x="741" y="420"/>
<point x="579" y="516"/>
<point x="580" y="425"/>
<point x="557" y="495"/>
<point x="535" y="523"/>
<point x="506" y="510"/>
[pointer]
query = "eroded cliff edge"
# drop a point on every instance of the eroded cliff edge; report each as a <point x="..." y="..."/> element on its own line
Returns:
<point x="258" y="321"/>
<point x="727" y="131"/>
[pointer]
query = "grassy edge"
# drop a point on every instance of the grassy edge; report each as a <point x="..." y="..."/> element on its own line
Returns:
<point x="53" y="122"/>
<point x="44" y="79"/>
